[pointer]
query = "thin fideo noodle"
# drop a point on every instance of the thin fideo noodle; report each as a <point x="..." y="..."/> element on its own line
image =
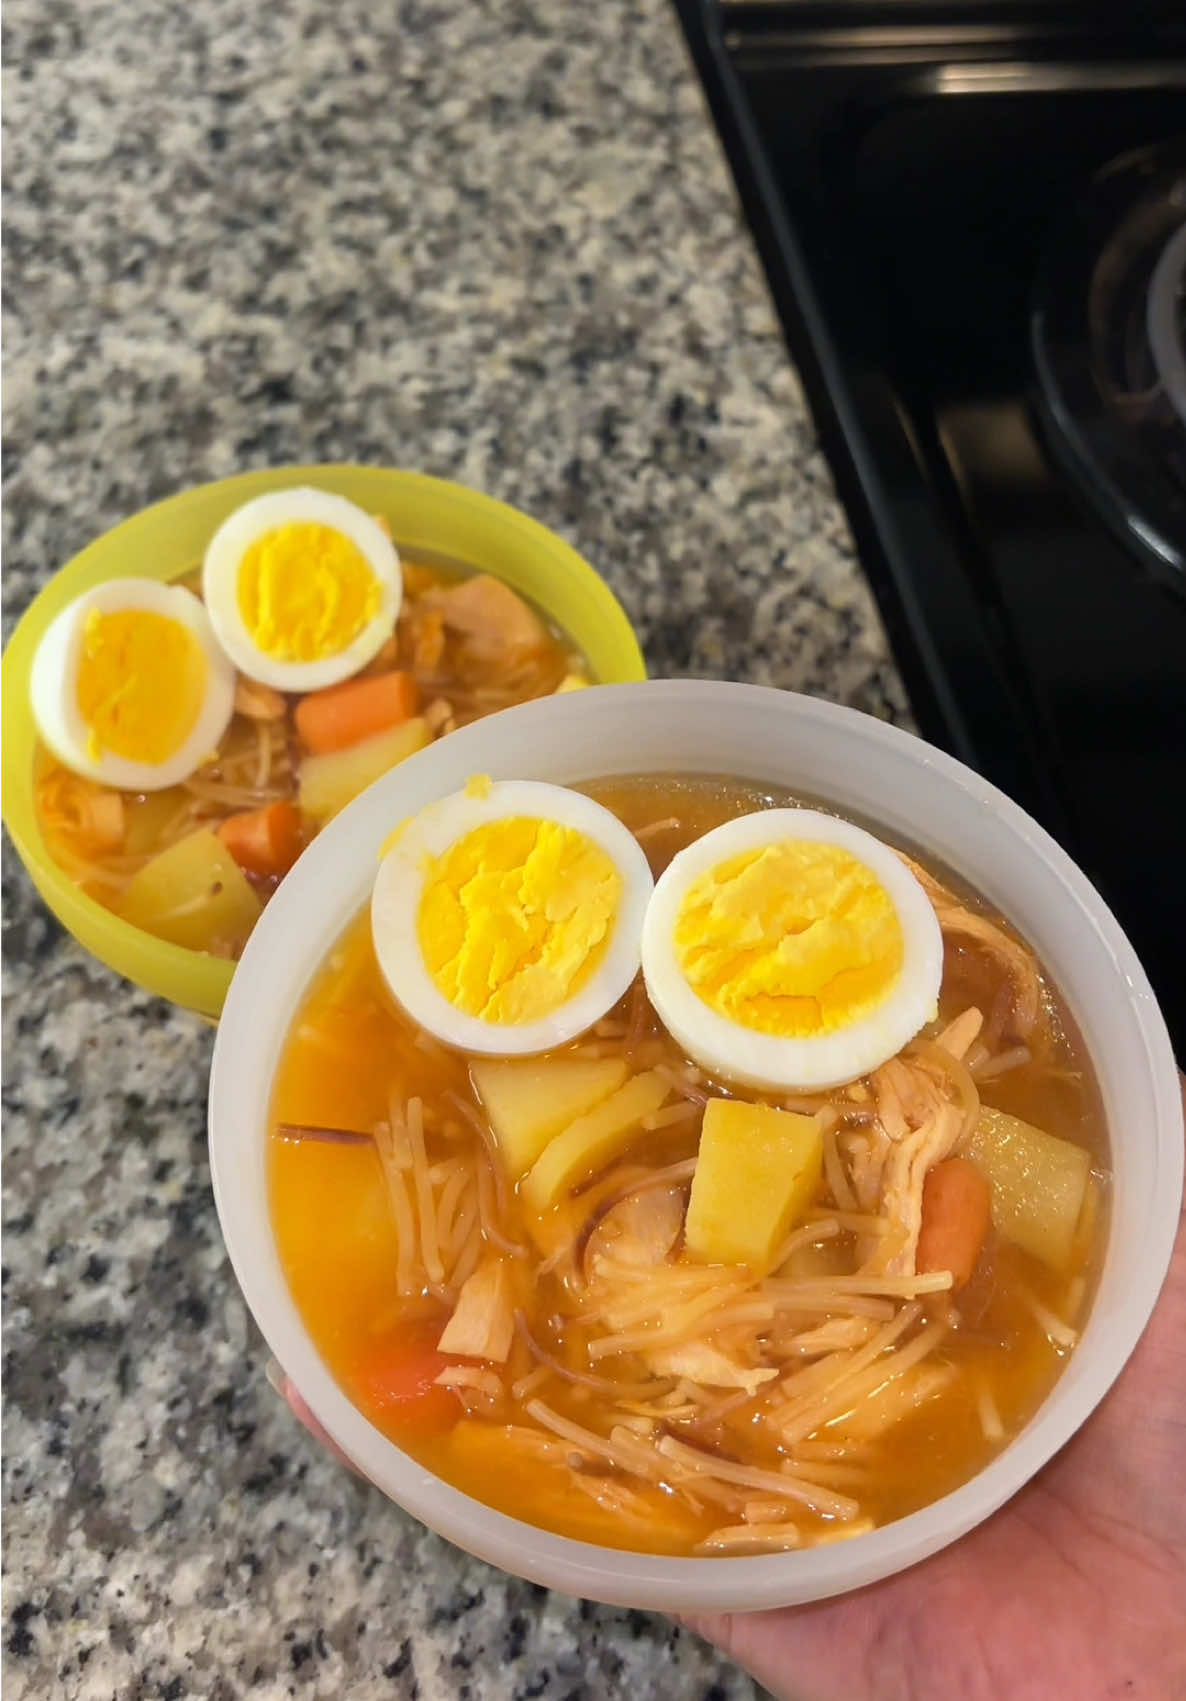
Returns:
<point x="851" y="1388"/>
<point x="671" y="1463"/>
<point x="401" y="1210"/>
<point x="810" y="1380"/>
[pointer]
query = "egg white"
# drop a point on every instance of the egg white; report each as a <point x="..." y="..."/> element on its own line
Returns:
<point x="399" y="885"/>
<point x="767" y="1061"/>
<point x="220" y="585"/>
<point x="53" y="686"/>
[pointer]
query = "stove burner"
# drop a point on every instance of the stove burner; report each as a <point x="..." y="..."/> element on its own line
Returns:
<point x="1167" y="320"/>
<point x="1108" y="331"/>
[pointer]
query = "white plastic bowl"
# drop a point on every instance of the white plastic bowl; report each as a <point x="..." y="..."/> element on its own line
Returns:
<point x="887" y="779"/>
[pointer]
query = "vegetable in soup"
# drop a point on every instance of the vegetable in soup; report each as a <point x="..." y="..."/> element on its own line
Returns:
<point x="634" y="1302"/>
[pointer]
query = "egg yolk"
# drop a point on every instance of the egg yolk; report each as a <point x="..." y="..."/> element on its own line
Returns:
<point x="516" y="916"/>
<point x="794" y="939"/>
<point x="140" y="684"/>
<point x="306" y="591"/>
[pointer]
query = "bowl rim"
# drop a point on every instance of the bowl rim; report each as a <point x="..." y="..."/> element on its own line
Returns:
<point x="620" y="1576"/>
<point x="190" y="978"/>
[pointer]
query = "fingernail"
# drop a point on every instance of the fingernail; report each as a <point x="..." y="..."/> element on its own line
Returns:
<point x="274" y="1371"/>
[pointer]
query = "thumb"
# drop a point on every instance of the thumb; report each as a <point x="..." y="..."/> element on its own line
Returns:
<point x="816" y="1652"/>
<point x="762" y="1642"/>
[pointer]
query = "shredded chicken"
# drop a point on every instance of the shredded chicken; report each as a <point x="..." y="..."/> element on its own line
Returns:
<point x="707" y="1365"/>
<point x="959" y="1036"/>
<point x="835" y="1334"/>
<point x="867" y="1150"/>
<point x="1018" y="963"/>
<point x="905" y="1172"/>
<point x="926" y="1102"/>
<point x="471" y="1376"/>
<point x="258" y="702"/>
<point x="492" y="622"/>
<point x="483" y="1320"/>
<point x="906" y="1096"/>
<point x="640" y="1230"/>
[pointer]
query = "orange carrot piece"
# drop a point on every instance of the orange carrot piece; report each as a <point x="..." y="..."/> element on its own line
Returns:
<point x="956" y="1213"/>
<point x="264" y="841"/>
<point x="395" y="1384"/>
<point x="346" y="714"/>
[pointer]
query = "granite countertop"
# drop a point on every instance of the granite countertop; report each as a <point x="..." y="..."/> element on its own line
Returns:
<point x="497" y="243"/>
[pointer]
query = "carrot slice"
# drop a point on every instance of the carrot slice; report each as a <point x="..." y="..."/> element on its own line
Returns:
<point x="346" y="714"/>
<point x="264" y="841"/>
<point x="395" y="1384"/>
<point x="956" y="1212"/>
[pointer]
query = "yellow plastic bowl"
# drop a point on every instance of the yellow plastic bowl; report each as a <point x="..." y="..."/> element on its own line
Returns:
<point x="428" y="517"/>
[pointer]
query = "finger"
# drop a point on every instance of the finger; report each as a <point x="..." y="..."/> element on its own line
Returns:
<point x="714" y="1627"/>
<point x="822" y="1651"/>
<point x="765" y="1644"/>
<point x="300" y="1410"/>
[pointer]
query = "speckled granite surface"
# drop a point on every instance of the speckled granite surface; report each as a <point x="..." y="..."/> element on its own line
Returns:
<point x="494" y="242"/>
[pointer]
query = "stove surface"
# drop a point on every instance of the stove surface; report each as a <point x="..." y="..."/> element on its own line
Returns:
<point x="924" y="186"/>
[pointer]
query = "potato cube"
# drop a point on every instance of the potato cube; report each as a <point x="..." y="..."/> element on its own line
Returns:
<point x="193" y="894"/>
<point x="593" y="1140"/>
<point x="531" y="1099"/>
<point x="1038" y="1184"/>
<point x="756" y="1175"/>
<point x="329" y="782"/>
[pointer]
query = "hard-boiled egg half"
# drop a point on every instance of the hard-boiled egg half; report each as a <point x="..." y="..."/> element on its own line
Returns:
<point x="507" y="917"/>
<point x="787" y="949"/>
<point x="129" y="686"/>
<point x="303" y="588"/>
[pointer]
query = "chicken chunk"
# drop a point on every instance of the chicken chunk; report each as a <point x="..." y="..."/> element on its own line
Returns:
<point x="492" y="622"/>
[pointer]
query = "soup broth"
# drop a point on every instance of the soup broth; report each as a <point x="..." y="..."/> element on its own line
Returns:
<point x="637" y="1398"/>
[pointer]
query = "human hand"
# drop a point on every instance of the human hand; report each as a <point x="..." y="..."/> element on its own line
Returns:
<point x="1074" y="1591"/>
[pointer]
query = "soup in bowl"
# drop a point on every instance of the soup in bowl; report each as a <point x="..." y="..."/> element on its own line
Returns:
<point x="682" y="1164"/>
<point x="193" y="698"/>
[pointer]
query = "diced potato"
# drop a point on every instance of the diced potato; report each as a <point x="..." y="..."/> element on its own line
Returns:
<point x="193" y="894"/>
<point x="757" y="1172"/>
<point x="531" y="1099"/>
<point x="483" y="1320"/>
<point x="328" y="783"/>
<point x="1038" y="1184"/>
<point x="593" y="1140"/>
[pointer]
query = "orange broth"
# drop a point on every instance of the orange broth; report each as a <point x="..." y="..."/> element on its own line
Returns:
<point x="351" y="1049"/>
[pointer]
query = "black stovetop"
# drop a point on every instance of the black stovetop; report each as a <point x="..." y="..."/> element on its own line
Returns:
<point x="924" y="183"/>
